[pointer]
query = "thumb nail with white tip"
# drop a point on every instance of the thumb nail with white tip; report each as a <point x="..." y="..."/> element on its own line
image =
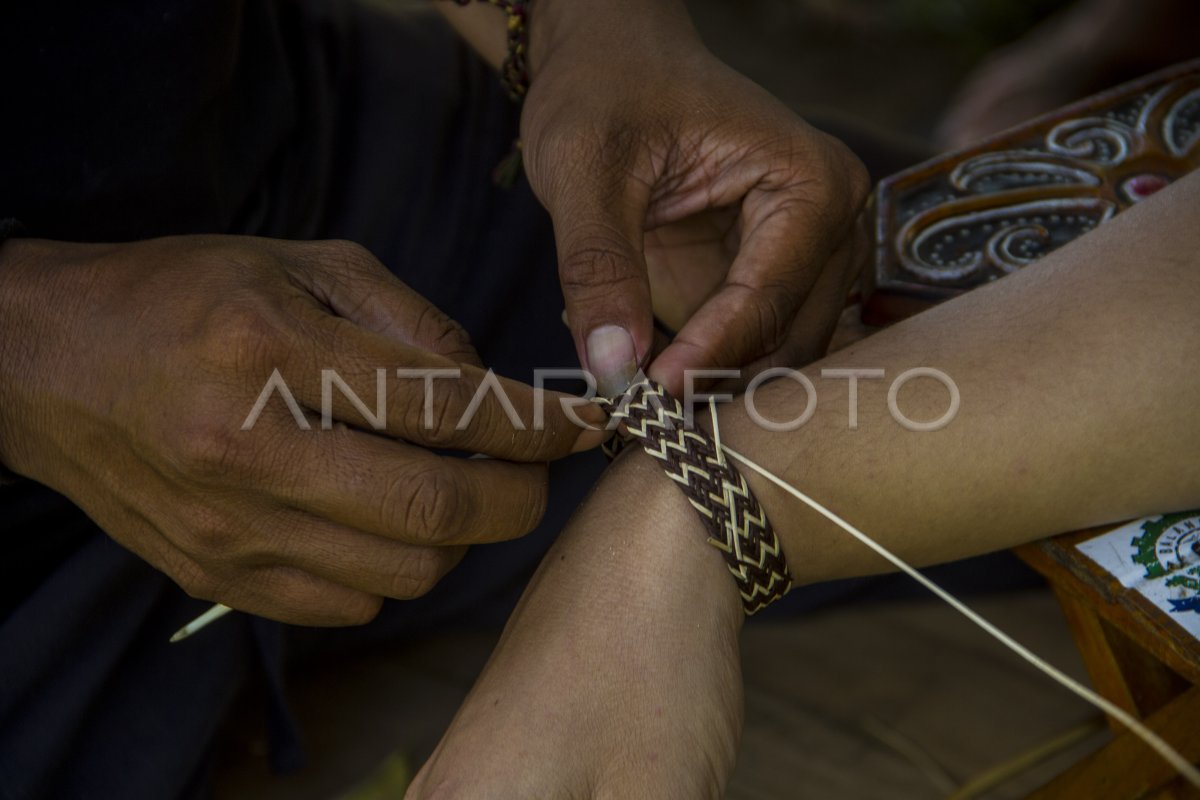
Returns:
<point x="612" y="358"/>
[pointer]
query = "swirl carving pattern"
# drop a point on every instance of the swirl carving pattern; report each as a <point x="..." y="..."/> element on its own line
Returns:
<point x="972" y="217"/>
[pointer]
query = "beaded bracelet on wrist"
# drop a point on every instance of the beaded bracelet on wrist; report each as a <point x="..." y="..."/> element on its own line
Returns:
<point x="737" y="525"/>
<point x="514" y="74"/>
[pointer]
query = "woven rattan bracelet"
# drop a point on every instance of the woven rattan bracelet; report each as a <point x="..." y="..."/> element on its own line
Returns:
<point x="736" y="523"/>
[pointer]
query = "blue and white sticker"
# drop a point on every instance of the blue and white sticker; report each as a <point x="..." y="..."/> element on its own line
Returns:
<point x="1160" y="558"/>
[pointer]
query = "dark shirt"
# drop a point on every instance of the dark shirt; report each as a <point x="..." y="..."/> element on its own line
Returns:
<point x="136" y="119"/>
<point x="139" y="118"/>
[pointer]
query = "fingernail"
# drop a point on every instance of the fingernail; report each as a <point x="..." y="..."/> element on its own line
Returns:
<point x="612" y="358"/>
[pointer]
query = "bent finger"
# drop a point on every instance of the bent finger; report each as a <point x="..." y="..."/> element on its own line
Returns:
<point x="363" y="379"/>
<point x="791" y="223"/>
<point x="406" y="493"/>
<point x="355" y="285"/>
<point x="355" y="560"/>
<point x="292" y="596"/>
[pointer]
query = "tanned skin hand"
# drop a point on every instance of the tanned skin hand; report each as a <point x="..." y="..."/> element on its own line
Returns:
<point x="127" y="373"/>
<point x="679" y="188"/>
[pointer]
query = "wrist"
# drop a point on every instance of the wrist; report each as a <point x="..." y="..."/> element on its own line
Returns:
<point x="671" y="562"/>
<point x="638" y="543"/>
<point x="601" y="25"/>
<point x="34" y="314"/>
<point x="15" y="337"/>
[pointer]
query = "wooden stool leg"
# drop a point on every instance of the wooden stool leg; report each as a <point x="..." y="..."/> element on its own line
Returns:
<point x="1120" y="669"/>
<point x="1179" y="790"/>
<point x="1126" y="768"/>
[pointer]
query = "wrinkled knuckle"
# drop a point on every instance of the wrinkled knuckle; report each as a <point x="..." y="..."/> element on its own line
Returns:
<point x="244" y="334"/>
<point x="195" y="581"/>
<point x="450" y="403"/>
<point x="598" y="261"/>
<point x="406" y="405"/>
<point x="430" y="505"/>
<point x="206" y="450"/>
<point x="442" y="335"/>
<point x="345" y="256"/>
<point x="212" y="542"/>
<point x="569" y="156"/>
<point x="432" y="417"/>
<point x="488" y="423"/>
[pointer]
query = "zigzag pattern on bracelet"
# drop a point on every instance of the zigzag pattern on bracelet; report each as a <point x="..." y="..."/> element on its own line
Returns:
<point x="737" y="524"/>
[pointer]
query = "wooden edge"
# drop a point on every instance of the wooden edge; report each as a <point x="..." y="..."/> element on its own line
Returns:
<point x="1070" y="571"/>
<point x="1126" y="767"/>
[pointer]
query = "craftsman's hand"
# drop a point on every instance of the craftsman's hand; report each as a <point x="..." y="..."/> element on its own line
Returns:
<point x="681" y="188"/>
<point x="128" y="375"/>
<point x="618" y="676"/>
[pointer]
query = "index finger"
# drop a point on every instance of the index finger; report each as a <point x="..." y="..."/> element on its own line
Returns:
<point x="338" y="370"/>
<point x="787" y="236"/>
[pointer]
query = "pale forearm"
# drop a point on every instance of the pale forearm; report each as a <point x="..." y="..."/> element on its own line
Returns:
<point x="626" y="545"/>
<point x="618" y="674"/>
<point x="1078" y="377"/>
<point x="1078" y="380"/>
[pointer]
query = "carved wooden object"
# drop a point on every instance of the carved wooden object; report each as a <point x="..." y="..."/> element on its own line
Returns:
<point x="959" y="221"/>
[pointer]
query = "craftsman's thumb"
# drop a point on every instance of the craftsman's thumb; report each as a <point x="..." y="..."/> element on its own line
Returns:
<point x="607" y="296"/>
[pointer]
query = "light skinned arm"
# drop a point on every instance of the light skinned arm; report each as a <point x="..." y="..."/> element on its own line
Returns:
<point x="616" y="676"/>
<point x="309" y="513"/>
<point x="1079" y="380"/>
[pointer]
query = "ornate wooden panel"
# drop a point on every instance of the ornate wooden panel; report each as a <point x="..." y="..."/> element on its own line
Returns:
<point x="970" y="217"/>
